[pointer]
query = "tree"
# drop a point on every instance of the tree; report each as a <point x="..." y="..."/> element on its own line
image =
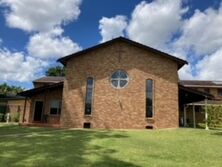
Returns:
<point x="10" y="90"/>
<point x="56" y="71"/>
<point x="214" y="116"/>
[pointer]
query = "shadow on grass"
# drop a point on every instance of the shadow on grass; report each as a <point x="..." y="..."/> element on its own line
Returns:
<point x="218" y="133"/>
<point x="8" y="129"/>
<point x="108" y="161"/>
<point x="67" y="148"/>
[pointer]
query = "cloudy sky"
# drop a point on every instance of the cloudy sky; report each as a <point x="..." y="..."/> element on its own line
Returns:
<point x="35" y="33"/>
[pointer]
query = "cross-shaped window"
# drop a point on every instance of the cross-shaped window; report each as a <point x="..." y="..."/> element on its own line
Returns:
<point x="119" y="79"/>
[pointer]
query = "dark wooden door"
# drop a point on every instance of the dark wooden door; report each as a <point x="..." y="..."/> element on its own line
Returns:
<point x="38" y="110"/>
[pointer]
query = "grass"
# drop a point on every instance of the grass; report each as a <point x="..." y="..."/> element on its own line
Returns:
<point x="7" y="129"/>
<point x="39" y="147"/>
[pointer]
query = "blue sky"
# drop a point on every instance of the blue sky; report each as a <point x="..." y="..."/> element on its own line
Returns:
<point x="34" y="35"/>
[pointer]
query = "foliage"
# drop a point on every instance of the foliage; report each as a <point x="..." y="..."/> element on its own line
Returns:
<point x="15" y="117"/>
<point x="10" y="90"/>
<point x="107" y="148"/>
<point x="56" y="71"/>
<point x="214" y="116"/>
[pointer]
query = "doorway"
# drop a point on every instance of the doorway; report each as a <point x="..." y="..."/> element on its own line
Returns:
<point x="38" y="111"/>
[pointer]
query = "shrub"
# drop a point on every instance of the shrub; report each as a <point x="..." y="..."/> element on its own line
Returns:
<point x="15" y="117"/>
<point x="214" y="116"/>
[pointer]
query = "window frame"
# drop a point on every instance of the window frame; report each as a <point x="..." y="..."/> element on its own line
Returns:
<point x="92" y="98"/>
<point x="219" y="91"/>
<point x="58" y="111"/>
<point x="127" y="79"/>
<point x="207" y="90"/>
<point x="153" y="108"/>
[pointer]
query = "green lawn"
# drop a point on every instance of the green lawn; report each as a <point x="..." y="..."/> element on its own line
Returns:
<point x="14" y="129"/>
<point x="41" y="147"/>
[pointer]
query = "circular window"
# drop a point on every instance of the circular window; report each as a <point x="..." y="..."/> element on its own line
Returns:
<point x="119" y="79"/>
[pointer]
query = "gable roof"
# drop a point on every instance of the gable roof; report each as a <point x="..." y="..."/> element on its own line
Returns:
<point x="201" y="83"/>
<point x="179" y="61"/>
<point x="49" y="79"/>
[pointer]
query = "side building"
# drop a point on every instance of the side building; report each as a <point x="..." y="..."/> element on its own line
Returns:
<point x="213" y="88"/>
<point x="14" y="105"/>
<point x="45" y="101"/>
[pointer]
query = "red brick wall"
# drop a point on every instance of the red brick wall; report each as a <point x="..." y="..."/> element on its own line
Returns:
<point x="17" y="107"/>
<point x="47" y="97"/>
<point x="124" y="108"/>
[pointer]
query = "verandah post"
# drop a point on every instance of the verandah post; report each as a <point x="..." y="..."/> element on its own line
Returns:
<point x="206" y="115"/>
<point x="194" y="116"/>
<point x="24" y="110"/>
<point x="184" y="116"/>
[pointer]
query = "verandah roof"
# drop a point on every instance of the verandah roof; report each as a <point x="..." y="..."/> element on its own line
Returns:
<point x="189" y="95"/>
<point x="208" y="103"/>
<point x="34" y="91"/>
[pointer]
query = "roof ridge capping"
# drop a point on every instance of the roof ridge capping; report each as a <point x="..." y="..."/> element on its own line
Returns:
<point x="180" y="62"/>
<point x="50" y="79"/>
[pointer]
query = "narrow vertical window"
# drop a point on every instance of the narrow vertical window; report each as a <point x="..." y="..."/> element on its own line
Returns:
<point x="89" y="96"/>
<point x="149" y="98"/>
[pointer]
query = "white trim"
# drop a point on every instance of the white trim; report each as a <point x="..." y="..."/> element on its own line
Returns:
<point x="119" y="79"/>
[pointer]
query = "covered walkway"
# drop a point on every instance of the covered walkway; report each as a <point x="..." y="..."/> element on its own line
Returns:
<point x="204" y="104"/>
<point x="191" y="97"/>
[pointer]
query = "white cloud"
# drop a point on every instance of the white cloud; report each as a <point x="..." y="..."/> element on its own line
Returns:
<point x="16" y="67"/>
<point x="202" y="33"/>
<point x="112" y="27"/>
<point x="155" y="23"/>
<point x="210" y="66"/>
<point x="40" y="15"/>
<point x="44" y="19"/>
<point x="51" y="45"/>
<point x="185" y="73"/>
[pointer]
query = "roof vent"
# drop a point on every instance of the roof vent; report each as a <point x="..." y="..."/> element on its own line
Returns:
<point x="149" y="127"/>
<point x="86" y="125"/>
